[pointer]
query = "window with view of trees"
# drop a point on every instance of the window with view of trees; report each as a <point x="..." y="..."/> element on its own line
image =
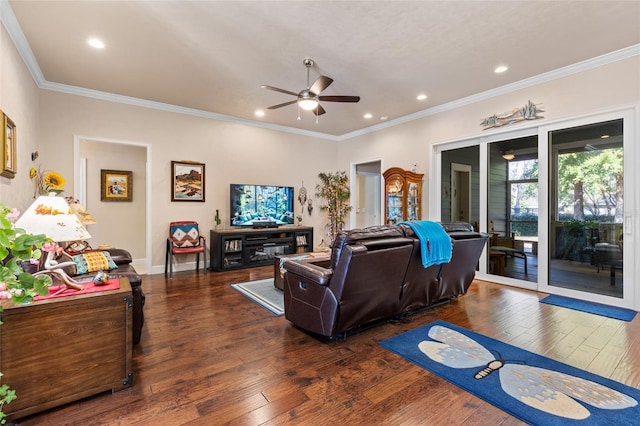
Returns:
<point x="590" y="185"/>
<point x="523" y="185"/>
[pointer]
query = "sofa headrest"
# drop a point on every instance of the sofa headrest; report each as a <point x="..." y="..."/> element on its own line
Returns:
<point x="359" y="236"/>
<point x="457" y="227"/>
<point x="467" y="235"/>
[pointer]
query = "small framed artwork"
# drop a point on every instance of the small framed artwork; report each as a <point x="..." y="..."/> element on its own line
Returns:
<point x="9" y="160"/>
<point x="116" y="185"/>
<point x="187" y="181"/>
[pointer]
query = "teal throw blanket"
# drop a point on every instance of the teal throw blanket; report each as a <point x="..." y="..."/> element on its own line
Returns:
<point x="435" y="243"/>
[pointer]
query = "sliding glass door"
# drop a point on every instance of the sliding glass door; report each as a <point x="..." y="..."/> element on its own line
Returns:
<point x="512" y="208"/>
<point x="557" y="201"/>
<point x="586" y="205"/>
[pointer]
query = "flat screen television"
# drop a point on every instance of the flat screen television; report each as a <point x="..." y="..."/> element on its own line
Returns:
<point x="261" y="205"/>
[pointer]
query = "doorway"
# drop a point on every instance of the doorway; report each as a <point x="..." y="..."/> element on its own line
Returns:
<point x="556" y="201"/>
<point x="368" y="199"/>
<point x="586" y="205"/>
<point x="116" y="222"/>
<point x="460" y="185"/>
<point x="460" y="192"/>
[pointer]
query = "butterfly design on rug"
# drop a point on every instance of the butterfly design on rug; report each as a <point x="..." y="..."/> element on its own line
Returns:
<point x="546" y="390"/>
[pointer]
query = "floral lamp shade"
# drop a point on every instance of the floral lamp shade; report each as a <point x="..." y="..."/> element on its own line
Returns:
<point x="53" y="217"/>
<point x="85" y="217"/>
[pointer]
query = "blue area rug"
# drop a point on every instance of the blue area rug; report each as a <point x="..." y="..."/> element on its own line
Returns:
<point x="533" y="388"/>
<point x="590" y="307"/>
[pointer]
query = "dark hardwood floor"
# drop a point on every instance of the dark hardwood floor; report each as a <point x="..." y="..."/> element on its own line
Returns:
<point x="209" y="356"/>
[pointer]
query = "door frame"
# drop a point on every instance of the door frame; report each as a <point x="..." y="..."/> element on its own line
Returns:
<point x="457" y="168"/>
<point x="353" y="184"/>
<point x="631" y="137"/>
<point x="79" y="177"/>
<point x="631" y="294"/>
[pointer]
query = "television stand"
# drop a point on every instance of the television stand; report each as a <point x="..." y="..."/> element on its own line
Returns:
<point x="250" y="247"/>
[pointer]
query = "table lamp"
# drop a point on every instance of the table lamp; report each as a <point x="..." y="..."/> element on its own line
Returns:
<point x="86" y="218"/>
<point x="53" y="217"/>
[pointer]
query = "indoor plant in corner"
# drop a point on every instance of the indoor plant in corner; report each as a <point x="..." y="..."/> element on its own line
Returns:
<point x="16" y="246"/>
<point x="335" y="192"/>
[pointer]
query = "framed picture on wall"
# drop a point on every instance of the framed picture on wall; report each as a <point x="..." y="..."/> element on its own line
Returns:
<point x="187" y="181"/>
<point x="9" y="161"/>
<point x="116" y="185"/>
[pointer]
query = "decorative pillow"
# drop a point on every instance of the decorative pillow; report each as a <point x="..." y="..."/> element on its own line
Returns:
<point x="185" y="235"/>
<point x="94" y="261"/>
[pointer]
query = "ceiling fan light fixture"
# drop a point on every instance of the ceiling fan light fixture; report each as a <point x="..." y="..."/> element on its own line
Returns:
<point x="95" y="43"/>
<point x="509" y="155"/>
<point x="308" y="104"/>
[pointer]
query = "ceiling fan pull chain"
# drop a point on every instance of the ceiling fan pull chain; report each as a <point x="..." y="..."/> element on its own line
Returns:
<point x="298" y="112"/>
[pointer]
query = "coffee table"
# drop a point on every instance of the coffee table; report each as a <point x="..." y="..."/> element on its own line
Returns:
<point x="321" y="258"/>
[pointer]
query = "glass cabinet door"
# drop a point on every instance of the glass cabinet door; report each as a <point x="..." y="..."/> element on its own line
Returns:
<point x="403" y="195"/>
<point x="394" y="198"/>
<point x="413" y="201"/>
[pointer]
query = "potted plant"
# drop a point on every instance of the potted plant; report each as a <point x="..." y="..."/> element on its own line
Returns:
<point x="335" y="194"/>
<point x="217" y="219"/>
<point x="16" y="246"/>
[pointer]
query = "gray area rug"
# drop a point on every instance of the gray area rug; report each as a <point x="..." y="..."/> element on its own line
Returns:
<point x="264" y="294"/>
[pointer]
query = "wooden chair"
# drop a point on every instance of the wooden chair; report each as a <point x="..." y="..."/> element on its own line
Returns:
<point x="184" y="238"/>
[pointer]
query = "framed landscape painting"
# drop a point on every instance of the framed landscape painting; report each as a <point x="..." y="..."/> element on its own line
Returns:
<point x="8" y="147"/>
<point x="187" y="181"/>
<point x="116" y="185"/>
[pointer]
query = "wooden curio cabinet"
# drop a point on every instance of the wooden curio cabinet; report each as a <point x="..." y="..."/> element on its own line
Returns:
<point x="403" y="195"/>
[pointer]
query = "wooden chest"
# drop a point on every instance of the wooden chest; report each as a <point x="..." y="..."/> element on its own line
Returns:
<point x="63" y="349"/>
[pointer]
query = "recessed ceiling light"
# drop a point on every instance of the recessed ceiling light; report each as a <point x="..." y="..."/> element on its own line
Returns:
<point x="500" y="69"/>
<point x="383" y="118"/>
<point x="95" y="42"/>
<point x="259" y="113"/>
<point x="368" y="116"/>
<point x="421" y="97"/>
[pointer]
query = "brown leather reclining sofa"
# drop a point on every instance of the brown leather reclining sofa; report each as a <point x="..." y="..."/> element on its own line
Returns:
<point x="376" y="273"/>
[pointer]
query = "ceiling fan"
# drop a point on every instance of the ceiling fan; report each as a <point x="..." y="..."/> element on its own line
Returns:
<point x="309" y="98"/>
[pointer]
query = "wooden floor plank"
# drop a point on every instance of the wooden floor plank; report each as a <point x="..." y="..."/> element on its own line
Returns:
<point x="210" y="356"/>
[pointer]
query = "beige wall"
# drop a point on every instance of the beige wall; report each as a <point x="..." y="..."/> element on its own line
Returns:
<point x="19" y="100"/>
<point x="237" y="153"/>
<point x="233" y="153"/>
<point x="612" y="85"/>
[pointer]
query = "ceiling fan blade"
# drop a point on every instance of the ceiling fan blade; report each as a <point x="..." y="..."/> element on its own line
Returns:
<point x="339" y="98"/>
<point x="320" y="84"/>
<point x="279" y="90"/>
<point x="283" y="104"/>
<point x="319" y="110"/>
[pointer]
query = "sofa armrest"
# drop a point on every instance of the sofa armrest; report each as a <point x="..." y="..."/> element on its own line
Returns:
<point x="309" y="271"/>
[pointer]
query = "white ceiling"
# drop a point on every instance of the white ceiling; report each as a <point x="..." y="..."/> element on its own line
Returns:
<point x="211" y="57"/>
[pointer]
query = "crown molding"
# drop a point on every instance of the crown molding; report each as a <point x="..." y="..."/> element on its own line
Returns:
<point x="144" y="103"/>
<point x="588" y="64"/>
<point x="16" y="35"/>
<point x="10" y="23"/>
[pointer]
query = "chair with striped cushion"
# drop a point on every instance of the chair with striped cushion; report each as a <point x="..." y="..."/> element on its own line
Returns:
<point x="184" y="238"/>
